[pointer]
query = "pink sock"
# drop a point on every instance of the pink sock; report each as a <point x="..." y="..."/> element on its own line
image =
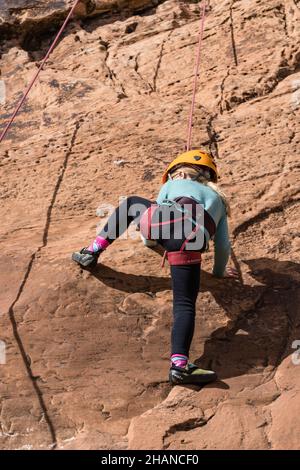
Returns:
<point x="179" y="360"/>
<point x="98" y="244"/>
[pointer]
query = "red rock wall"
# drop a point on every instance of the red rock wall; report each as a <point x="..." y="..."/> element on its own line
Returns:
<point x="87" y="354"/>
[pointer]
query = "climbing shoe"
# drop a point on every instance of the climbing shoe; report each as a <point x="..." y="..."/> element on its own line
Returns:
<point x="191" y="374"/>
<point x="86" y="258"/>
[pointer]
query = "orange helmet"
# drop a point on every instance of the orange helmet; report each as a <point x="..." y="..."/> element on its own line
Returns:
<point x="194" y="157"/>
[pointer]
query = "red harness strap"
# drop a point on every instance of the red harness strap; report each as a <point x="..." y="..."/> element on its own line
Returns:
<point x="177" y="258"/>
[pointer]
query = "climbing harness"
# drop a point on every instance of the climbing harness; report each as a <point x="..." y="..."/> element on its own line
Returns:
<point x="33" y="80"/>
<point x="152" y="220"/>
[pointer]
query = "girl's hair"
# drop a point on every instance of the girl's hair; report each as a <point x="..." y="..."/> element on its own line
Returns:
<point x="203" y="176"/>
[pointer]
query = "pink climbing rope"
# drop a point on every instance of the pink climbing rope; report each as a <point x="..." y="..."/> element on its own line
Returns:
<point x="197" y="65"/>
<point x="20" y="104"/>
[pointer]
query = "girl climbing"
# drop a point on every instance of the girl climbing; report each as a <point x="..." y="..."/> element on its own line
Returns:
<point x="190" y="211"/>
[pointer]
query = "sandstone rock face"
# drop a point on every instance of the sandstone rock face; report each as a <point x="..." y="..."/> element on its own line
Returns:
<point x="86" y="354"/>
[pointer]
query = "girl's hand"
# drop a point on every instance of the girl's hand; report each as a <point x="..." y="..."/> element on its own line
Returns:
<point x="231" y="272"/>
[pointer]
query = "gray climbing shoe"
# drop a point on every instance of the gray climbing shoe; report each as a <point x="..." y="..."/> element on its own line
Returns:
<point x="191" y="374"/>
<point x="85" y="257"/>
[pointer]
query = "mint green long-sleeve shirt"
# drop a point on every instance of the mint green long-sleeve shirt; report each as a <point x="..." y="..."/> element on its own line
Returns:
<point x="213" y="204"/>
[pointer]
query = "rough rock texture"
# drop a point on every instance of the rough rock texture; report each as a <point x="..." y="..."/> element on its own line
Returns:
<point x="87" y="353"/>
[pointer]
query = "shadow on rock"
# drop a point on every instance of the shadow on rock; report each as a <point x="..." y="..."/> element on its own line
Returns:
<point x="265" y="320"/>
<point x="130" y="282"/>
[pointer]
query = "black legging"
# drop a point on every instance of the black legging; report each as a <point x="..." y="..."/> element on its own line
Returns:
<point x="131" y="209"/>
<point x="185" y="285"/>
<point x="185" y="279"/>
